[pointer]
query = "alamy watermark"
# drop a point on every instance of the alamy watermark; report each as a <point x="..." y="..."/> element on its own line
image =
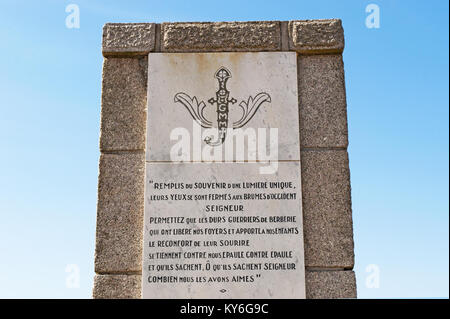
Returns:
<point x="230" y="141"/>
<point x="73" y="17"/>
<point x="373" y="19"/>
<point x="73" y="276"/>
<point x="373" y="278"/>
<point x="240" y="145"/>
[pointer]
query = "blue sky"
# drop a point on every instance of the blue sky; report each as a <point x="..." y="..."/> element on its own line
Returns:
<point x="398" y="107"/>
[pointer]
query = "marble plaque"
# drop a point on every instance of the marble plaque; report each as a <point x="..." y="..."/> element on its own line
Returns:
<point x="182" y="92"/>
<point x="223" y="215"/>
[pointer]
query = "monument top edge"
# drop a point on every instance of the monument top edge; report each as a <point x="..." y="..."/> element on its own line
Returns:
<point x="222" y="21"/>
<point x="317" y="36"/>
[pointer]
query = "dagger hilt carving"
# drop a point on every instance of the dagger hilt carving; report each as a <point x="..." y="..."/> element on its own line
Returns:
<point x="222" y="101"/>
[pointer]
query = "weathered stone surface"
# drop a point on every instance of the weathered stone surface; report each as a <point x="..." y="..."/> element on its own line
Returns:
<point x="130" y="39"/>
<point x="120" y="211"/>
<point x="221" y="36"/>
<point x="124" y="104"/>
<point x="330" y="284"/>
<point x="328" y="234"/>
<point x="117" y="287"/>
<point x="327" y="213"/>
<point x="322" y="100"/>
<point x="317" y="36"/>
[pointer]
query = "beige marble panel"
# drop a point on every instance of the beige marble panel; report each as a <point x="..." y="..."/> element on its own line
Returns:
<point x="183" y="86"/>
<point x="251" y="235"/>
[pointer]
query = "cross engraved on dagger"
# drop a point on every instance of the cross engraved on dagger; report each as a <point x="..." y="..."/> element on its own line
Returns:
<point x="222" y="101"/>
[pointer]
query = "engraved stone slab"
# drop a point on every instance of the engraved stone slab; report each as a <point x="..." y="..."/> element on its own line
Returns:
<point x="223" y="215"/>
<point x="260" y="95"/>
<point x="222" y="230"/>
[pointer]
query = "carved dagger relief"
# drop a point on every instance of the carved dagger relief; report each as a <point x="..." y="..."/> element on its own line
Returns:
<point x="222" y="101"/>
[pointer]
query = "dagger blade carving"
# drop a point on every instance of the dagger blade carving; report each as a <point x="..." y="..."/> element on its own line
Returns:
<point x="222" y="101"/>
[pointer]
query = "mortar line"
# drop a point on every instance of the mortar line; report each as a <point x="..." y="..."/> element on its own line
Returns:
<point x="325" y="269"/>
<point x="227" y="162"/>
<point x="324" y="149"/>
<point x="284" y="30"/>
<point x="111" y="273"/>
<point x="122" y="151"/>
<point x="158" y="31"/>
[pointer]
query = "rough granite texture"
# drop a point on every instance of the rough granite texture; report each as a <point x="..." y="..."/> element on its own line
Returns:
<point x="120" y="211"/>
<point x="117" y="287"/>
<point x="317" y="36"/>
<point x="124" y="104"/>
<point x="221" y="36"/>
<point x="327" y="212"/>
<point x="128" y="39"/>
<point x="330" y="284"/>
<point x="322" y="101"/>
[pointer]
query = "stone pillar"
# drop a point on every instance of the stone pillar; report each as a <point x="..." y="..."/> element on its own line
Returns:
<point x="327" y="214"/>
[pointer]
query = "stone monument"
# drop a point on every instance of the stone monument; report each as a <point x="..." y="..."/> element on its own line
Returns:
<point x="224" y="168"/>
